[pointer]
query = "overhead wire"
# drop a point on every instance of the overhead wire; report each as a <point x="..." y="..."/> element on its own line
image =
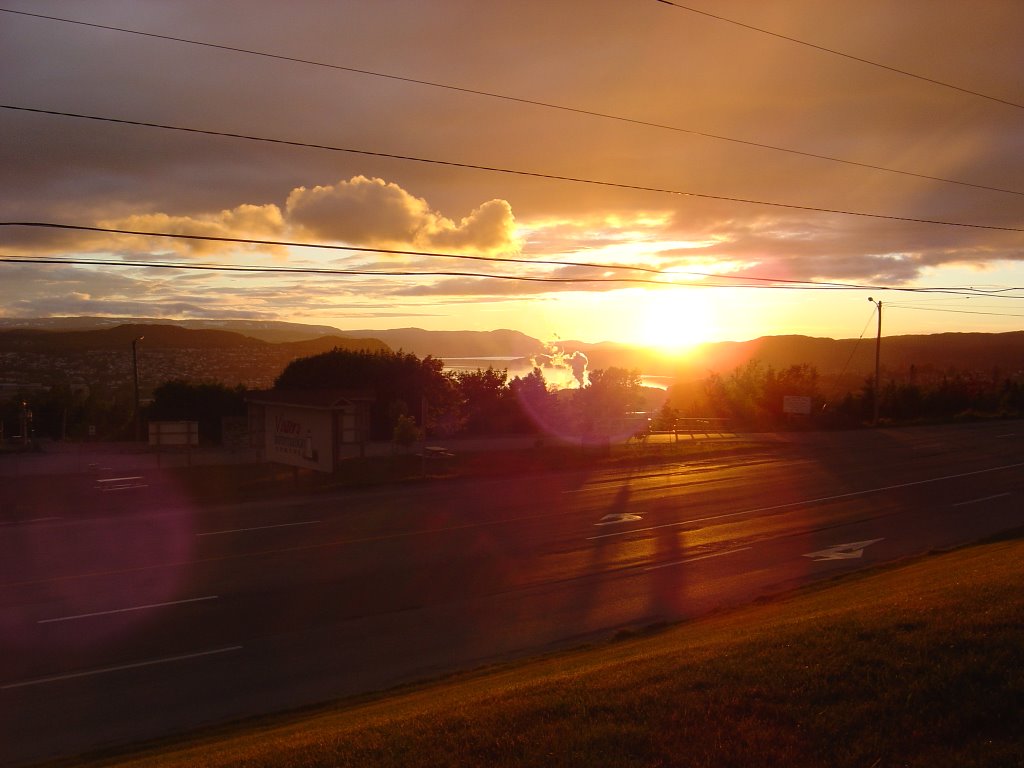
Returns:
<point x="511" y="171"/>
<point x="408" y="252"/>
<point x="753" y="280"/>
<point x="843" y="54"/>
<point x="954" y="311"/>
<point x="260" y="269"/>
<point x="836" y="384"/>
<point x="315" y="270"/>
<point x="516" y="99"/>
<point x="749" y="281"/>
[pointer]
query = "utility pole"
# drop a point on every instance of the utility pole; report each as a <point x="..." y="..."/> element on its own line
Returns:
<point x="135" y="380"/>
<point x="878" y="357"/>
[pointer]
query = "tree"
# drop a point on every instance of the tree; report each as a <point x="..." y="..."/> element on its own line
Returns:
<point x="604" y="405"/>
<point x="753" y="396"/>
<point x="402" y="384"/>
<point x="405" y="432"/>
<point x="537" y="406"/>
<point x="487" y="402"/>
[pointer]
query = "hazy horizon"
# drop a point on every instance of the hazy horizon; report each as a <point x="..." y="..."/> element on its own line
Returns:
<point x="613" y="175"/>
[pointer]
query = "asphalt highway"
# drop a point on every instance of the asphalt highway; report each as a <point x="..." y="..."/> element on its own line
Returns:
<point x="132" y="614"/>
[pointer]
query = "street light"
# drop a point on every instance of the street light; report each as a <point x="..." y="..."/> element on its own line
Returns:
<point x="135" y="379"/>
<point x="878" y="355"/>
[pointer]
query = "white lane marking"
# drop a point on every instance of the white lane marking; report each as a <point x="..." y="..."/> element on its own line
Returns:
<point x="258" y="528"/>
<point x="851" y="551"/>
<point x="978" y="501"/>
<point x="126" y="610"/>
<point x="810" y="501"/>
<point x="31" y="520"/>
<point x="119" y="668"/>
<point x="695" y="559"/>
<point x="618" y="517"/>
<point x="1008" y="434"/>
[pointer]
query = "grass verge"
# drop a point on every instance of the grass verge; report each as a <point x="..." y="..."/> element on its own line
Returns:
<point x="918" y="664"/>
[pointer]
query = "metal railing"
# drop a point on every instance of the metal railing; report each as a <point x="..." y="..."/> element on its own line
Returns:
<point x="709" y="425"/>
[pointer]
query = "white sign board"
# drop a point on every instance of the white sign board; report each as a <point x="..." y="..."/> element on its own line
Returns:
<point x="796" y="404"/>
<point x="173" y="433"/>
<point x="301" y="437"/>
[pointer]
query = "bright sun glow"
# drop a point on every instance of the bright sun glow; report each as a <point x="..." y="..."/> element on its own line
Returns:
<point x="674" y="320"/>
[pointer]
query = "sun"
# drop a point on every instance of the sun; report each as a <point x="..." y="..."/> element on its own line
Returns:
<point x="674" y="320"/>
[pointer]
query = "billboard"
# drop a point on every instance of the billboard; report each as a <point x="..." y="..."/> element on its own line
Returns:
<point x="301" y="437"/>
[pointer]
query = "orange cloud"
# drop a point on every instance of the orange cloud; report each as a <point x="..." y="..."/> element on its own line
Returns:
<point x="377" y="213"/>
<point x="260" y="222"/>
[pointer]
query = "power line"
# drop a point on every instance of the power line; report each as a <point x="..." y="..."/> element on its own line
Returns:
<point x="751" y="281"/>
<point x="519" y="100"/>
<point x="767" y="281"/>
<point x="510" y="171"/>
<point x="853" y="351"/>
<point x="315" y="270"/>
<point x="835" y="52"/>
<point x="945" y="301"/>
<point x="955" y="311"/>
<point x="332" y="246"/>
<point x="207" y="267"/>
<point x="433" y="254"/>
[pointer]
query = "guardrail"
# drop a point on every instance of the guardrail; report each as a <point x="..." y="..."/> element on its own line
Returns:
<point x="696" y="426"/>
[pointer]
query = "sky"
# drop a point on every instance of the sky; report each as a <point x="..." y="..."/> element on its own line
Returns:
<point x="618" y="170"/>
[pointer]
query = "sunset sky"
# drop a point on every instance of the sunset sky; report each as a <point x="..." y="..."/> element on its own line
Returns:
<point x="522" y="85"/>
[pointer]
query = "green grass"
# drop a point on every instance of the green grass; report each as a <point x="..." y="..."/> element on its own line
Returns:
<point x="920" y="664"/>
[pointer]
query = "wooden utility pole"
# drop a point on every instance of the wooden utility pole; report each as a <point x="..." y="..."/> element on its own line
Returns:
<point x="878" y="358"/>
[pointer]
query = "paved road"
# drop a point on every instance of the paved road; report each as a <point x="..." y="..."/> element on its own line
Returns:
<point x="132" y="614"/>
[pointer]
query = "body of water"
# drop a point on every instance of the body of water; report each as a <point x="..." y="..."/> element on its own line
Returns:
<point x="523" y="366"/>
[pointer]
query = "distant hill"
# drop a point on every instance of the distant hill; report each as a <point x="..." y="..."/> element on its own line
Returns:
<point x="167" y="337"/>
<point x="476" y="344"/>
<point x="165" y="352"/>
<point x="274" y="331"/>
<point x="499" y="343"/>
<point x="272" y="342"/>
<point x="968" y="352"/>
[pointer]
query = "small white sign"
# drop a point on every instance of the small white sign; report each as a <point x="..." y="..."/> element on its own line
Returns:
<point x="850" y="551"/>
<point x="174" y="433"/>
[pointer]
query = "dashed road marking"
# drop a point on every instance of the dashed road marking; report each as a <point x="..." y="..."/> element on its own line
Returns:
<point x="695" y="559"/>
<point x="618" y="517"/>
<point x="127" y="610"/>
<point x="979" y="501"/>
<point x="258" y="528"/>
<point x="118" y="668"/>
<point x="805" y="502"/>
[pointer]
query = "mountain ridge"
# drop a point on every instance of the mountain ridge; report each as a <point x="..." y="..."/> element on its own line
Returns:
<point x="903" y="355"/>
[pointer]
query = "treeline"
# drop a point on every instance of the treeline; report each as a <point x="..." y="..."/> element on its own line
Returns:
<point x="415" y="397"/>
<point x="105" y="412"/>
<point x="752" y="398"/>
<point x="413" y="393"/>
